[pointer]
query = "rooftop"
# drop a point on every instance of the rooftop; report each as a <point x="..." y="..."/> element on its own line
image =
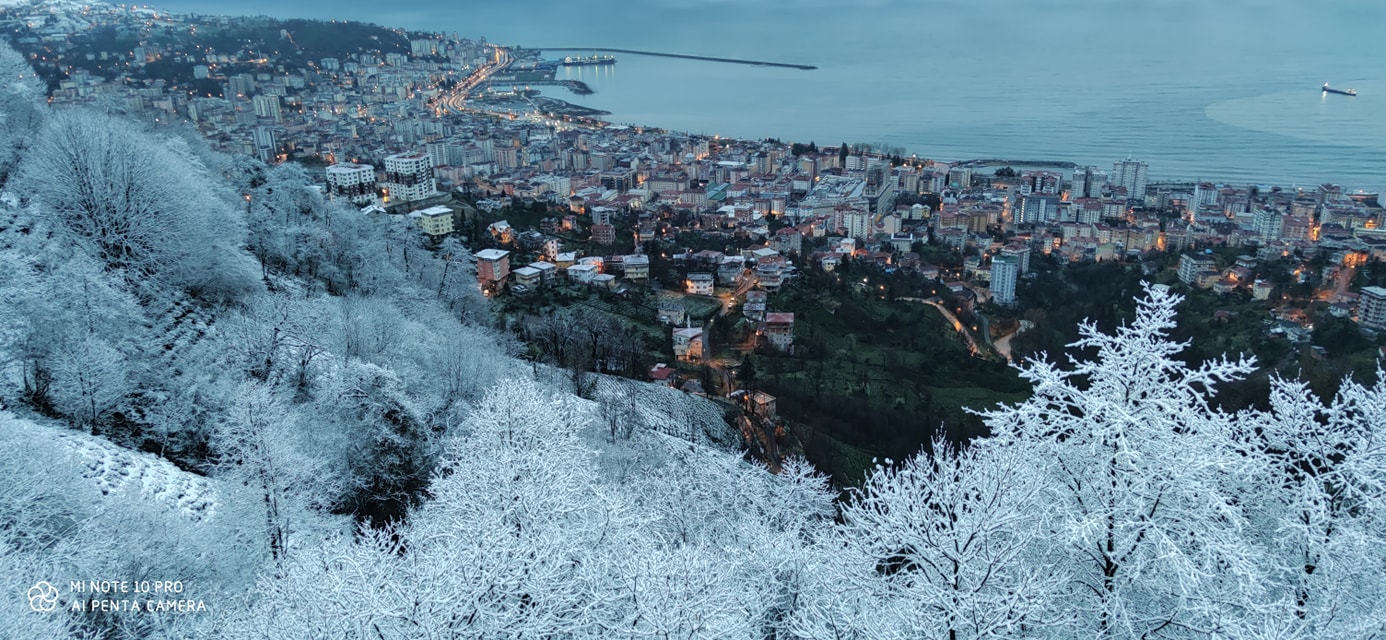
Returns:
<point x="439" y="210"/>
<point x="348" y="166"/>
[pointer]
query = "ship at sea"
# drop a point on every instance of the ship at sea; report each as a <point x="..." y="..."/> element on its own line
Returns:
<point x="580" y="61"/>
<point x="1344" y="92"/>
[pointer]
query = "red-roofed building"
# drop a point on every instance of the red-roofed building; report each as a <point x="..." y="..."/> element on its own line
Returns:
<point x="664" y="374"/>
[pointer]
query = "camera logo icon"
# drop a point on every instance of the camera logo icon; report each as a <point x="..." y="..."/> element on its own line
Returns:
<point x="43" y="597"/>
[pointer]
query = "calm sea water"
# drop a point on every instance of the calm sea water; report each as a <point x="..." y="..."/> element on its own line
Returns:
<point x="1223" y="90"/>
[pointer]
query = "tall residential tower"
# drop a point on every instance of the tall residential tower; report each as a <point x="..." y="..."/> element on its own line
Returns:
<point x="352" y="182"/>
<point x="1132" y="175"/>
<point x="409" y="176"/>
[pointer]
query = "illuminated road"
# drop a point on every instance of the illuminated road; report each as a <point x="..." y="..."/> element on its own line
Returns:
<point x="456" y="101"/>
<point x="744" y="283"/>
<point x="1003" y="344"/>
<point x="459" y="99"/>
<point x="948" y="315"/>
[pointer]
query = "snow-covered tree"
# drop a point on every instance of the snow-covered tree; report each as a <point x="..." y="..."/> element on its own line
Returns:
<point x="43" y="505"/>
<point x="1150" y="515"/>
<point x="391" y="450"/>
<point x="135" y="204"/>
<point x="508" y="546"/>
<point x="278" y="338"/>
<point x="529" y="534"/>
<point x="290" y="227"/>
<point x="21" y="106"/>
<point x="1322" y="509"/>
<point x="466" y="364"/>
<point x="74" y="505"/>
<point x="70" y="330"/>
<point x="952" y="542"/>
<point x="369" y="327"/>
<point x="92" y="377"/>
<point x="457" y="285"/>
<point x="263" y="450"/>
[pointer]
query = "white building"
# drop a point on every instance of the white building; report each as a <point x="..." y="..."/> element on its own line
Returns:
<point x="583" y="273"/>
<point x="547" y="270"/>
<point x="1088" y="182"/>
<point x="267" y="106"/>
<point x="857" y="224"/>
<point x="688" y="343"/>
<point x="1268" y="223"/>
<point x="1005" y="271"/>
<point x="1022" y="256"/>
<point x="420" y="47"/>
<point x="409" y="176"/>
<point x="637" y="267"/>
<point x="266" y="147"/>
<point x="1131" y="174"/>
<point x="1037" y="209"/>
<point x="529" y="278"/>
<point x="1371" y="308"/>
<point x="1097" y="182"/>
<point x="437" y="153"/>
<point x="699" y="284"/>
<point x="1191" y="265"/>
<point x="1205" y="195"/>
<point x="354" y="183"/>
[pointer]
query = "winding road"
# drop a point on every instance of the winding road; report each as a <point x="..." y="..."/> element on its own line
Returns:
<point x="948" y="315"/>
<point x="1003" y="344"/>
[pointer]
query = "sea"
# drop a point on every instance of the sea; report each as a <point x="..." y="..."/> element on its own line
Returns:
<point x="1224" y="91"/>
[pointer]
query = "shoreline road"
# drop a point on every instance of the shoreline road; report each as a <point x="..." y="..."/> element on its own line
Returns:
<point x="455" y="102"/>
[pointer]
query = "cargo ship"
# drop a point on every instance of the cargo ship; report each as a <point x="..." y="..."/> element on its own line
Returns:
<point x="1343" y="92"/>
<point x="580" y="61"/>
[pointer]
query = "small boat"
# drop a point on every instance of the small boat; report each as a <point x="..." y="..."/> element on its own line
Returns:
<point x="1343" y="92"/>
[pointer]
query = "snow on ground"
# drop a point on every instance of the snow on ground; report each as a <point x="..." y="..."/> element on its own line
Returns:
<point x="645" y="406"/>
<point x="669" y="411"/>
<point x="55" y="5"/>
<point x="112" y="468"/>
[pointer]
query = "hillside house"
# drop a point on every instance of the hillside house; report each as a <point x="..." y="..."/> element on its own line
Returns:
<point x="492" y="269"/>
<point x="779" y="331"/>
<point x="688" y="344"/>
<point x="699" y="284"/>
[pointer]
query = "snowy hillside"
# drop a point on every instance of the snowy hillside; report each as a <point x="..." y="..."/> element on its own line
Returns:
<point x="631" y="406"/>
<point x="113" y="469"/>
<point x="652" y="407"/>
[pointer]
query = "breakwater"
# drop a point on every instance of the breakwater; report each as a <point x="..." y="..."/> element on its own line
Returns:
<point x="758" y="63"/>
<point x="576" y="86"/>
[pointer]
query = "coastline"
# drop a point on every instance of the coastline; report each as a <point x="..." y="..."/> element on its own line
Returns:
<point x="1191" y="166"/>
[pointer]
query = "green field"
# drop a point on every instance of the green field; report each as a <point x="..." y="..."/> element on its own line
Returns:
<point x="872" y="378"/>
